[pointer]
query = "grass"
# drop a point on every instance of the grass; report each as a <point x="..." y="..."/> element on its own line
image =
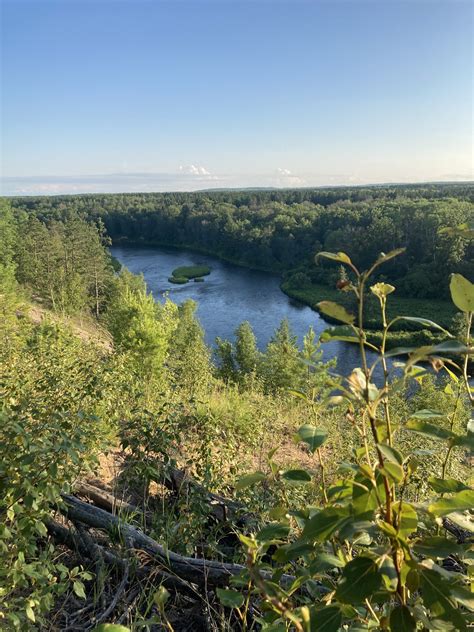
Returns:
<point x="440" y="311"/>
<point x="191" y="272"/>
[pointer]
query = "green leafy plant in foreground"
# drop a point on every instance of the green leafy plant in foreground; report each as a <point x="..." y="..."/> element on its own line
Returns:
<point x="367" y="557"/>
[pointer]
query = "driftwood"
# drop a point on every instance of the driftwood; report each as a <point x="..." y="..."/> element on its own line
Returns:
<point x="194" y="570"/>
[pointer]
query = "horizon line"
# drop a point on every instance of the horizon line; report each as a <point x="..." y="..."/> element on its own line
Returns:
<point x="236" y="189"/>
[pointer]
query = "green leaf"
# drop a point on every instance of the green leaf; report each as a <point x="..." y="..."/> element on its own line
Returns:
<point x="446" y="485"/>
<point x="249" y="479"/>
<point x="462" y="293"/>
<point x="437" y="546"/>
<point x="334" y="256"/>
<point x="296" y="476"/>
<point x="328" y="619"/>
<point x="436" y="593"/>
<point x="426" y="413"/>
<point x="458" y="502"/>
<point x="429" y="430"/>
<point x="358" y="383"/>
<point x="390" y="453"/>
<point x="465" y="441"/>
<point x="273" y="531"/>
<point x="333" y="310"/>
<point x="78" y="588"/>
<point x="160" y="597"/>
<point x="323" y="562"/>
<point x="401" y="620"/>
<point x="463" y="596"/>
<point x="449" y="346"/>
<point x="365" y="496"/>
<point x="394" y="471"/>
<point x="30" y="613"/>
<point x="323" y="524"/>
<point x="408" y="518"/>
<point x="313" y="437"/>
<point x="383" y="257"/>
<point x="360" y="579"/>
<point x="389" y="574"/>
<point x="424" y="322"/>
<point x="328" y="336"/>
<point x="230" y="598"/>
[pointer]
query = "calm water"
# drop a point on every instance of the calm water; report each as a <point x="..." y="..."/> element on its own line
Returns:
<point x="230" y="295"/>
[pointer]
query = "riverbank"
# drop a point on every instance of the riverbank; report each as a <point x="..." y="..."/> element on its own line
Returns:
<point x="402" y="334"/>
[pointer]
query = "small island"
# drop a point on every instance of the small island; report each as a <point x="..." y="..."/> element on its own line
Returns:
<point x="185" y="273"/>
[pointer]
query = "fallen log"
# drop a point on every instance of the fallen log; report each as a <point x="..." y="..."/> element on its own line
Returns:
<point x="106" y="500"/>
<point x="63" y="535"/>
<point x="223" y="509"/>
<point x="195" y="570"/>
<point x="178" y="481"/>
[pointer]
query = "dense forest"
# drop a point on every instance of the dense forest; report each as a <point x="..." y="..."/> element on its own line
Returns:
<point x="145" y="485"/>
<point x="281" y="230"/>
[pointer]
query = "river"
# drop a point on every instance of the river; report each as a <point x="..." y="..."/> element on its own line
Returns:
<point x="230" y="295"/>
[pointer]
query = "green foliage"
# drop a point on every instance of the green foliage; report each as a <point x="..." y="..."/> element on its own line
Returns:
<point x="191" y="272"/>
<point x="282" y="366"/>
<point x="139" y="326"/>
<point x="280" y="230"/>
<point x="188" y="357"/>
<point x="247" y="356"/>
<point x="64" y="263"/>
<point x="49" y="434"/>
<point x="381" y="547"/>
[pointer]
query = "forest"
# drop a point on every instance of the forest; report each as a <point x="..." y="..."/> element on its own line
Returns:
<point x="282" y="230"/>
<point x="148" y="482"/>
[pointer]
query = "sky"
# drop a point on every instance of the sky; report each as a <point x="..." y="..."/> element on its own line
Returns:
<point x="117" y="95"/>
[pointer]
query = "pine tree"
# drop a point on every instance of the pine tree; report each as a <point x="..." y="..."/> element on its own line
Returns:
<point x="227" y="369"/>
<point x="282" y="366"/>
<point x="189" y="358"/>
<point x="247" y="356"/>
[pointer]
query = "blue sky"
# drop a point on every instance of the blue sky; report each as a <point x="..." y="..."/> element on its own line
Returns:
<point x="147" y="95"/>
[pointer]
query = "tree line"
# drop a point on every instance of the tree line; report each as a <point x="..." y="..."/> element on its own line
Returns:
<point x="282" y="230"/>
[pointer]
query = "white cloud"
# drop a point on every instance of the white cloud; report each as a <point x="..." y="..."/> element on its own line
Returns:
<point x="287" y="178"/>
<point x="194" y="170"/>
